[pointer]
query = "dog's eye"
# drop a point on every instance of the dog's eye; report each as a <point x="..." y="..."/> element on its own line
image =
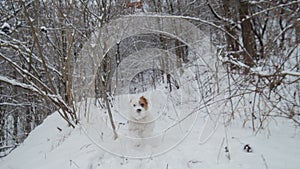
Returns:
<point x="134" y="105"/>
<point x="142" y="104"/>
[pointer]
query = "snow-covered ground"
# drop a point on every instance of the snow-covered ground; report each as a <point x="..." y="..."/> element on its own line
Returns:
<point x="89" y="146"/>
<point x="187" y="134"/>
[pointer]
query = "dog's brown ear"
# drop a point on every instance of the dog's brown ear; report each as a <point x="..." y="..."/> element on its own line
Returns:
<point x="145" y="101"/>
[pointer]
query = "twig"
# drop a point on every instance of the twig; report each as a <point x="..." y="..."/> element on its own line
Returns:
<point x="220" y="150"/>
<point x="230" y="92"/>
<point x="265" y="162"/>
<point x="72" y="162"/>
<point x="111" y="118"/>
<point x="226" y="138"/>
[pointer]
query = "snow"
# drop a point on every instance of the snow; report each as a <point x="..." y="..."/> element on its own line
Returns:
<point x="5" y="28"/>
<point x="192" y="130"/>
<point x="47" y="147"/>
<point x="184" y="140"/>
<point x="16" y="83"/>
<point x="292" y="73"/>
<point x="5" y="25"/>
<point x="189" y="132"/>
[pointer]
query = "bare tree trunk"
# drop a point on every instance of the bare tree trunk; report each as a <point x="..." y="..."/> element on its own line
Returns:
<point x="297" y="24"/>
<point x="230" y="12"/>
<point x="104" y="92"/>
<point x="247" y="34"/>
<point x="16" y="126"/>
<point x="2" y="133"/>
<point x="28" y="121"/>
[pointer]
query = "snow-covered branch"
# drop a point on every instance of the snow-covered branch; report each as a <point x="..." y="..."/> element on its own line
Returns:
<point x="14" y="82"/>
<point x="56" y="99"/>
<point x="24" y="51"/>
<point x="258" y="70"/>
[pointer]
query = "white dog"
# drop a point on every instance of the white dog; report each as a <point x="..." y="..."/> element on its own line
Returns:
<point x="141" y="121"/>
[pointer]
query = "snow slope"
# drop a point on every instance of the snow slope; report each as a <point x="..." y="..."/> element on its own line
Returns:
<point x="185" y="136"/>
<point x="47" y="147"/>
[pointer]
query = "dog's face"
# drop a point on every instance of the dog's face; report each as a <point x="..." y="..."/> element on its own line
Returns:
<point x="138" y="108"/>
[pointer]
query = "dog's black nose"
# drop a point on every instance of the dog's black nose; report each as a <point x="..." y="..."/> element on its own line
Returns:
<point x="138" y="110"/>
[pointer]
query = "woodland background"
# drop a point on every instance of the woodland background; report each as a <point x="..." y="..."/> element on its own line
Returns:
<point x="257" y="41"/>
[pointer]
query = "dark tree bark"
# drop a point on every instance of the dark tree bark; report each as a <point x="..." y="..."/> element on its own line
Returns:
<point x="248" y="35"/>
<point x="231" y="38"/>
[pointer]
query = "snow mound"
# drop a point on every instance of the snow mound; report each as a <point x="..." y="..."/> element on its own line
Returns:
<point x="198" y="142"/>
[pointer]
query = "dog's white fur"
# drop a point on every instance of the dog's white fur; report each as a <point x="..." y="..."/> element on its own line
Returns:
<point x="141" y="121"/>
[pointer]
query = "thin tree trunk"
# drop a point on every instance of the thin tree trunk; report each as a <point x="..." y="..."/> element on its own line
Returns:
<point x="247" y="34"/>
<point x="230" y="12"/>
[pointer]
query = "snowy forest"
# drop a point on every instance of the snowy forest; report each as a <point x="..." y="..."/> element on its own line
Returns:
<point x="254" y="42"/>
